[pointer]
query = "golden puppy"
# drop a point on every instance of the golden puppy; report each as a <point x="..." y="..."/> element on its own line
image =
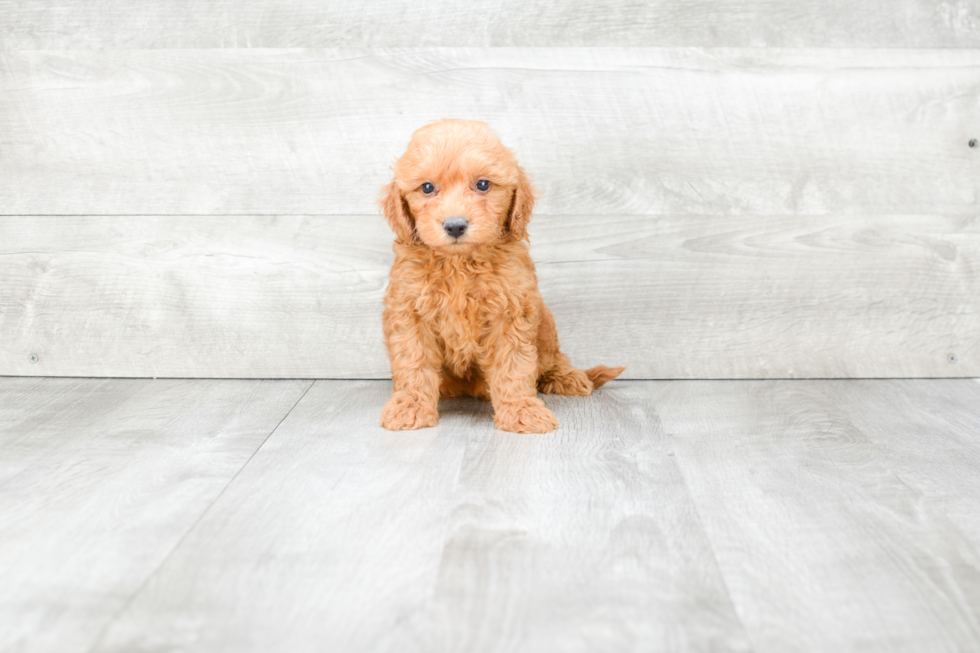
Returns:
<point x="463" y="314"/>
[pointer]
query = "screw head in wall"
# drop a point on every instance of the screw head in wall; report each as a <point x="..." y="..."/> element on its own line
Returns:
<point x="973" y="142"/>
<point x="951" y="358"/>
<point x="33" y="358"/>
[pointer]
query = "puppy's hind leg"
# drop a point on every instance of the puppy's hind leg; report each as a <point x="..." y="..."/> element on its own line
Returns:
<point x="563" y="379"/>
<point x="556" y="375"/>
<point x="568" y="380"/>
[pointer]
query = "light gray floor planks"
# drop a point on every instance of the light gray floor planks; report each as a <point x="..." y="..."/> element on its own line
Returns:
<point x="678" y="516"/>
<point x="668" y="296"/>
<point x="99" y="481"/>
<point x="826" y="541"/>
<point x="930" y="437"/>
<point x="341" y="536"/>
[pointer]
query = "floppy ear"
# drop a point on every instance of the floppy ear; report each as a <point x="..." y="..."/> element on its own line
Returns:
<point x="521" y="206"/>
<point x="396" y="212"/>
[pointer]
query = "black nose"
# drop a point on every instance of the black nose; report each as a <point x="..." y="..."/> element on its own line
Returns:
<point x="455" y="227"/>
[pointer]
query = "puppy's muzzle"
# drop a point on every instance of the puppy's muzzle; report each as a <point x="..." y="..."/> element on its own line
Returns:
<point x="455" y="226"/>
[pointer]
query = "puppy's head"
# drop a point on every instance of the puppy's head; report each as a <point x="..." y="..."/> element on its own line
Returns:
<point x="457" y="188"/>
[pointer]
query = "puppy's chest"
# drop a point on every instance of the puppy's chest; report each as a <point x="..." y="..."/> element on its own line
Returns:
<point x="460" y="308"/>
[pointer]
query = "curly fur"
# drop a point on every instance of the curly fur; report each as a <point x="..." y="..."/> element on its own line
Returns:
<point x="464" y="316"/>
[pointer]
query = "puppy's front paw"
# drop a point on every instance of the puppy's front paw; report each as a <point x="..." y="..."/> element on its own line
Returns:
<point x="405" y="413"/>
<point x="529" y="416"/>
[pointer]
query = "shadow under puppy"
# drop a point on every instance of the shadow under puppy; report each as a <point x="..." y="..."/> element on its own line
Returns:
<point x="463" y="314"/>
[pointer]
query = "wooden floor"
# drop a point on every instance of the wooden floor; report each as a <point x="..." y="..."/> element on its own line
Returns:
<point x="202" y="515"/>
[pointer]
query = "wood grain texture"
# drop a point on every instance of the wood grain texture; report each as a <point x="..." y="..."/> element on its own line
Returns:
<point x="670" y="297"/>
<point x="342" y="536"/>
<point x="824" y="544"/>
<point x="100" y="479"/>
<point x="928" y="434"/>
<point x="770" y="516"/>
<point x="647" y="131"/>
<point x="61" y="24"/>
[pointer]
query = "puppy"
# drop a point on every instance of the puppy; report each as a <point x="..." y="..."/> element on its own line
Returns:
<point x="463" y="315"/>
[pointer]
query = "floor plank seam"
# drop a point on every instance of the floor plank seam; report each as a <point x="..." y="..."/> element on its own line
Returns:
<point x="711" y="545"/>
<point x="714" y="556"/>
<point x="122" y="610"/>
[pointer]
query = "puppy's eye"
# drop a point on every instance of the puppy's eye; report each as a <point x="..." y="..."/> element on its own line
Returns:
<point x="428" y="188"/>
<point x="483" y="184"/>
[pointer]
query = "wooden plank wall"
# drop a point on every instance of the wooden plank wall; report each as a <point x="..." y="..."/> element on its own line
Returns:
<point x="734" y="190"/>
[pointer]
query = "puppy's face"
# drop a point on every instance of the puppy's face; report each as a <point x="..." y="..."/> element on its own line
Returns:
<point x="457" y="188"/>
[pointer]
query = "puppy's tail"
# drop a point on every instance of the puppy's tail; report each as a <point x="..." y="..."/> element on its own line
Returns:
<point x="600" y="374"/>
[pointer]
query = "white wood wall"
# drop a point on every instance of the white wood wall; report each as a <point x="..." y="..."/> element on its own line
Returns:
<point x="188" y="190"/>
